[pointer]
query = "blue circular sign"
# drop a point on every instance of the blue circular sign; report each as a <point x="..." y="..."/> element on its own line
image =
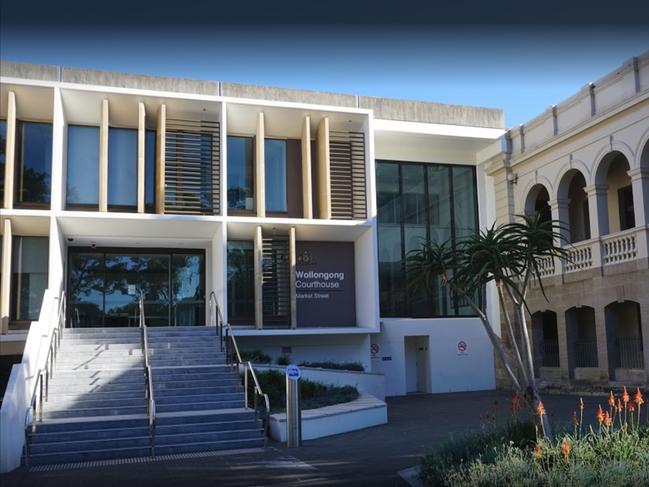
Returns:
<point x="293" y="372"/>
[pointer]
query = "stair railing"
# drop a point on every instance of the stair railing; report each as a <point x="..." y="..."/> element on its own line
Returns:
<point x="233" y="357"/>
<point x="216" y="317"/>
<point x="41" y="389"/>
<point x="148" y="376"/>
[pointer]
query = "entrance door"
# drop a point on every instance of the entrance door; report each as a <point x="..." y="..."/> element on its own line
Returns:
<point x="104" y="287"/>
<point x="417" y="364"/>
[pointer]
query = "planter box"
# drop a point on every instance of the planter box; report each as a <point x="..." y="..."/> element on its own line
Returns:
<point x="362" y="413"/>
<point x="550" y="373"/>
<point x="631" y="375"/>
<point x="592" y="374"/>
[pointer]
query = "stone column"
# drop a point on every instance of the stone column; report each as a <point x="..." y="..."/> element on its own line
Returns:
<point x="103" y="157"/>
<point x="10" y="151"/>
<point x="141" y="157"/>
<point x="6" y="277"/>
<point x="324" y="173"/>
<point x="602" y="342"/>
<point x="307" y="198"/>
<point x="259" y="278"/>
<point x="292" y="263"/>
<point x="640" y="186"/>
<point x="563" y="344"/>
<point x="559" y="209"/>
<point x="260" y="167"/>
<point x="160" y="160"/>
<point x="598" y="213"/>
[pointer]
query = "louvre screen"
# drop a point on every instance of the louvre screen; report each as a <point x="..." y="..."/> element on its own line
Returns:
<point x="348" y="182"/>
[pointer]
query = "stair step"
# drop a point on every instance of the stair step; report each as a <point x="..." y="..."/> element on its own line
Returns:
<point x="89" y="412"/>
<point x="200" y="437"/>
<point x="80" y="435"/>
<point x="188" y="391"/>
<point x="198" y="406"/>
<point x="187" y="428"/>
<point x="181" y="383"/>
<point x="92" y="444"/>
<point x="210" y="446"/>
<point x="196" y="398"/>
<point x="84" y="456"/>
<point x="88" y="401"/>
<point x="85" y="424"/>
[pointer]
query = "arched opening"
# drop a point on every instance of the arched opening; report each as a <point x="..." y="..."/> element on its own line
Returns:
<point x="536" y="202"/>
<point x="545" y="340"/>
<point x="617" y="207"/>
<point x="624" y="337"/>
<point x="582" y="340"/>
<point x="573" y="210"/>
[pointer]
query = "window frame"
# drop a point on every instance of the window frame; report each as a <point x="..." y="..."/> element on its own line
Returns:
<point x="125" y="208"/>
<point x="80" y="206"/>
<point x="19" y="159"/>
<point x="279" y="213"/>
<point x="242" y="211"/>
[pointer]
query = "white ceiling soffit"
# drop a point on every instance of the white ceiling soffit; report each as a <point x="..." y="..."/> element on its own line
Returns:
<point x="435" y="129"/>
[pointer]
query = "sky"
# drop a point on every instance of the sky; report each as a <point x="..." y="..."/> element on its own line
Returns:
<point x="500" y="59"/>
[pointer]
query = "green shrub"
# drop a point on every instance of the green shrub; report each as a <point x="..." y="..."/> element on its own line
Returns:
<point x="255" y="356"/>
<point x="284" y="360"/>
<point x="313" y="394"/>
<point x="354" y="366"/>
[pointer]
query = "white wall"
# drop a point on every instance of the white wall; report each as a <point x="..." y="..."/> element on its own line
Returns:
<point x="450" y="371"/>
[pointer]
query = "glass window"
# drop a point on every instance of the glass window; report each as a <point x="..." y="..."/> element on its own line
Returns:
<point x="275" y="174"/>
<point x="122" y="167"/>
<point x="3" y="148"/>
<point x="34" y="162"/>
<point x="188" y="294"/>
<point x="241" y="282"/>
<point x="419" y="202"/>
<point x="241" y="191"/>
<point x="83" y="166"/>
<point x="149" y="170"/>
<point x="29" y="268"/>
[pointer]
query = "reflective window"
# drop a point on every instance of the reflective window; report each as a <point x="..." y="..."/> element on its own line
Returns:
<point x="187" y="287"/>
<point x="419" y="202"/>
<point x="122" y="167"/>
<point x="83" y="166"/>
<point x="149" y="170"/>
<point x="33" y="163"/>
<point x="275" y="174"/>
<point x="241" y="282"/>
<point x="3" y="147"/>
<point x="29" y="270"/>
<point x="241" y="191"/>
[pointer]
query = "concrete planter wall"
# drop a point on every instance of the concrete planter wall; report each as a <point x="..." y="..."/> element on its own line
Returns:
<point x="364" y="412"/>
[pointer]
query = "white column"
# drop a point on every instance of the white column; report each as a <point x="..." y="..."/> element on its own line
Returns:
<point x="260" y="167"/>
<point x="10" y="151"/>
<point x="307" y="198"/>
<point x="58" y="149"/>
<point x="103" y="157"/>
<point x="640" y="188"/>
<point x="258" y="268"/>
<point x="292" y="263"/>
<point x="160" y="160"/>
<point x="598" y="209"/>
<point x="6" y="277"/>
<point x="559" y="209"/>
<point x="324" y="173"/>
<point x="57" y="257"/>
<point x="141" y="156"/>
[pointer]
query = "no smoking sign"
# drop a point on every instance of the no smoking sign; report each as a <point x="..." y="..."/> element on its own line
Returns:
<point x="462" y="347"/>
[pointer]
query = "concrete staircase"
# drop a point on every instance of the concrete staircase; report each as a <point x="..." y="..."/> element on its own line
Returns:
<point x="96" y="407"/>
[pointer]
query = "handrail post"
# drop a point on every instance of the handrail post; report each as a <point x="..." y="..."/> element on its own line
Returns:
<point x="245" y="387"/>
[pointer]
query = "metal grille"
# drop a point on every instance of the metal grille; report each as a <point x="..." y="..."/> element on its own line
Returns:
<point x="347" y="165"/>
<point x="586" y="352"/>
<point x="550" y="354"/>
<point x="630" y="353"/>
<point x="192" y="167"/>
<point x="276" y="281"/>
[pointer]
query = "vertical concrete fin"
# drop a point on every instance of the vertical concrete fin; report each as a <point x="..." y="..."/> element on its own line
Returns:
<point x="103" y="157"/>
<point x="160" y="160"/>
<point x="258" y="268"/>
<point x="141" y="160"/>
<point x="10" y="151"/>
<point x="324" y="174"/>
<point x="5" y="284"/>
<point x="307" y="199"/>
<point x="292" y="252"/>
<point x="260" y="170"/>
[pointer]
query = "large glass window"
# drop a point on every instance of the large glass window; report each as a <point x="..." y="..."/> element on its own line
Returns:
<point x="275" y="174"/>
<point x="29" y="270"/>
<point x="241" y="282"/>
<point x="3" y="147"/>
<point x="241" y="191"/>
<point x="420" y="202"/>
<point x="34" y="163"/>
<point x="83" y="166"/>
<point x="122" y="168"/>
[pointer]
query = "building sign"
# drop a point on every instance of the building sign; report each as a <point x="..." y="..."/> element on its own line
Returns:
<point x="325" y="284"/>
<point x="462" y="348"/>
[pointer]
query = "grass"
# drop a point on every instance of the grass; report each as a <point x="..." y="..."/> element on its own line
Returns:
<point x="613" y="453"/>
<point x="255" y="356"/>
<point x="314" y="394"/>
<point x="353" y="366"/>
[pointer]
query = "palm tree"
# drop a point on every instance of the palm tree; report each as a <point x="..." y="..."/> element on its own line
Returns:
<point x="510" y="256"/>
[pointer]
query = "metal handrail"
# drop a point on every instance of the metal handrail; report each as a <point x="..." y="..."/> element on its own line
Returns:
<point x="44" y="374"/>
<point x="151" y="409"/>
<point x="234" y="357"/>
<point x="216" y="317"/>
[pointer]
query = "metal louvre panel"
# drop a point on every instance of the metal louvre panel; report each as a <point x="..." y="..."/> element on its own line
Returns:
<point x="192" y="167"/>
<point x="347" y="174"/>
<point x="276" y="281"/>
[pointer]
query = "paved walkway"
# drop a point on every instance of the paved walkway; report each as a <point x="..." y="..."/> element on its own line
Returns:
<point x="368" y="457"/>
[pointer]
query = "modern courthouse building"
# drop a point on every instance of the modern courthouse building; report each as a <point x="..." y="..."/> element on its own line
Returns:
<point x="293" y="211"/>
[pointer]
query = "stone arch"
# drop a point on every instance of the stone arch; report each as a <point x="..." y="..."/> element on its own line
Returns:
<point x="615" y="206"/>
<point x="576" y="165"/>
<point x="523" y="195"/>
<point x="537" y="201"/>
<point x="573" y="205"/>
<point x="642" y="151"/>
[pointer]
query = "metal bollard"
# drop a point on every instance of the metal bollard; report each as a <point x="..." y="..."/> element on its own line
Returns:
<point x="293" y="407"/>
